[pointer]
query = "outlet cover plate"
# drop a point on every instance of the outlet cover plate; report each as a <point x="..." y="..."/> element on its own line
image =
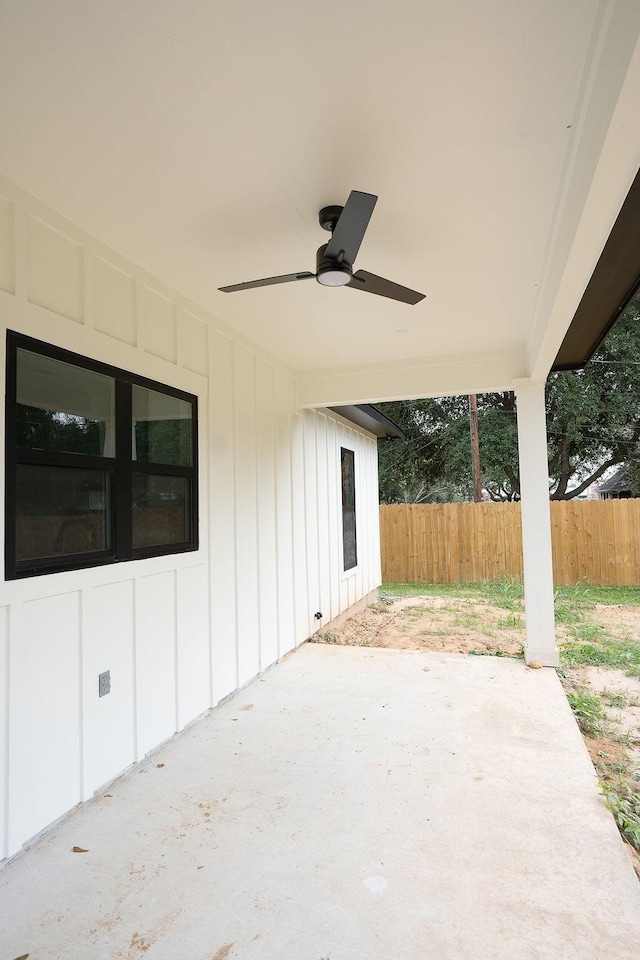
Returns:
<point x="104" y="683"/>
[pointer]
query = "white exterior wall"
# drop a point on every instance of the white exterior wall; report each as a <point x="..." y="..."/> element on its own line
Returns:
<point x="178" y="633"/>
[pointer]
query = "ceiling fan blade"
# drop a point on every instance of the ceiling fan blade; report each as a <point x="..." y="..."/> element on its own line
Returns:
<point x="285" y="278"/>
<point x="351" y="226"/>
<point x="370" y="283"/>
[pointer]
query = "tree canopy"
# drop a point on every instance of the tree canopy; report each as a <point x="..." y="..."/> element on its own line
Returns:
<point x="593" y="424"/>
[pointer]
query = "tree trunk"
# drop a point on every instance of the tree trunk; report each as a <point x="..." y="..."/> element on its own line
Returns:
<point x="475" y="447"/>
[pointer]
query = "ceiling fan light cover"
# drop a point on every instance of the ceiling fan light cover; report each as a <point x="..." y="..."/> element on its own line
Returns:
<point x="334" y="277"/>
<point x="331" y="272"/>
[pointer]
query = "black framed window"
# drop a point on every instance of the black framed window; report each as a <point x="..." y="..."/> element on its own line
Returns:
<point x="101" y="464"/>
<point x="349" y="538"/>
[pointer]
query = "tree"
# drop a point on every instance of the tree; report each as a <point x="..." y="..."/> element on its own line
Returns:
<point x="593" y="424"/>
<point x="414" y="469"/>
<point x="40" y="429"/>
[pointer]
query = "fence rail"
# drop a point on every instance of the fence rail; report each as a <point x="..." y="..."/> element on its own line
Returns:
<point x="593" y="540"/>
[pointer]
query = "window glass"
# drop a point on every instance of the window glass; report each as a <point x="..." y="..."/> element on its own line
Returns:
<point x="161" y="510"/>
<point x="100" y="463"/>
<point x="349" y="541"/>
<point x="61" y="511"/>
<point x="162" y="428"/>
<point x="62" y="407"/>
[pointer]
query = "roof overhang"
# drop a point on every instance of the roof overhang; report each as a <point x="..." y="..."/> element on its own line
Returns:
<point x="613" y="283"/>
<point x="370" y="418"/>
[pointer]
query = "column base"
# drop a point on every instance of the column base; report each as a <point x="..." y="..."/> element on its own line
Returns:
<point x="547" y="656"/>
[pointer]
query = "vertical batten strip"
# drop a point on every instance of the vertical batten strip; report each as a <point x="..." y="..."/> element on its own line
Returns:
<point x="5" y="659"/>
<point x="300" y="543"/>
<point x="234" y="504"/>
<point x="276" y="506"/>
<point x="332" y="482"/>
<point x="256" y="510"/>
<point x="247" y="534"/>
<point x="84" y="790"/>
<point x="134" y="668"/>
<point x="176" y="650"/>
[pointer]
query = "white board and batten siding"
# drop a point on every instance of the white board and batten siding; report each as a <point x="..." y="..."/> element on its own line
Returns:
<point x="178" y="633"/>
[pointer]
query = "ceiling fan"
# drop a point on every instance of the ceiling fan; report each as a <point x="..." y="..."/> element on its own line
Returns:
<point x="334" y="260"/>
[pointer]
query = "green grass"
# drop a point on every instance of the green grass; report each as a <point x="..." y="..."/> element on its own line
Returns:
<point x="488" y="653"/>
<point x="589" y="643"/>
<point x="414" y="612"/>
<point x="624" y="804"/>
<point x="618" y="700"/>
<point x="587" y="630"/>
<point x="611" y="653"/>
<point x="608" y="595"/>
<point x="611" y="769"/>
<point x="468" y="619"/>
<point x="391" y="591"/>
<point x="509" y="593"/>
<point x="588" y="711"/>
<point x="512" y="621"/>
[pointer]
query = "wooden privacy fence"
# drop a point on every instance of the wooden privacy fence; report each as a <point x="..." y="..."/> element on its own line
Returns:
<point x="593" y="540"/>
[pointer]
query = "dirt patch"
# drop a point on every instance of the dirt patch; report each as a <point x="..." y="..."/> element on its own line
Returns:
<point x="621" y="697"/>
<point x="621" y="619"/>
<point x="441" y="624"/>
<point x="602" y="749"/>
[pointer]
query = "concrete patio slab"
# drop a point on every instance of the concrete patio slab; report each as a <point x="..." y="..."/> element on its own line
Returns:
<point x="352" y="804"/>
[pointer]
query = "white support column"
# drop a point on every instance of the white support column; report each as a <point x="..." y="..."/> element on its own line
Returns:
<point x="540" y="644"/>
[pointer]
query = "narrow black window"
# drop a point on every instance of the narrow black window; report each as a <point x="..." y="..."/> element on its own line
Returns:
<point x="101" y="464"/>
<point x="349" y="542"/>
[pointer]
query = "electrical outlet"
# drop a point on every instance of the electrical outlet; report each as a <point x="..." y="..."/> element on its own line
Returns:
<point x="104" y="683"/>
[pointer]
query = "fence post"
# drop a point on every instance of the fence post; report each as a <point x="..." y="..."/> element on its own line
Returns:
<point x="536" y="527"/>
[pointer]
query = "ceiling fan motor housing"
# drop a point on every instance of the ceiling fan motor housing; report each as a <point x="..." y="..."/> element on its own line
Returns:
<point x="329" y="217"/>
<point x="330" y="272"/>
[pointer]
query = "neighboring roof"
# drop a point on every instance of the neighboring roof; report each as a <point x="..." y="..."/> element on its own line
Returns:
<point x="616" y="483"/>
<point x="370" y="418"/>
<point x="613" y="283"/>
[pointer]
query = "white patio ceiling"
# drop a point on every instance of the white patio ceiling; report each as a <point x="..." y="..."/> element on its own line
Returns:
<point x="200" y="139"/>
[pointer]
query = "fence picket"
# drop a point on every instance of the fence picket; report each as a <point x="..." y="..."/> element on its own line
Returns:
<point x="595" y="541"/>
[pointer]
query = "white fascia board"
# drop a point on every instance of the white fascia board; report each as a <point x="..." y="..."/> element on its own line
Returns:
<point x="411" y="380"/>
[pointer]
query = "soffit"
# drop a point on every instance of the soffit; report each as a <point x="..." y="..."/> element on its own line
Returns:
<point x="201" y="139"/>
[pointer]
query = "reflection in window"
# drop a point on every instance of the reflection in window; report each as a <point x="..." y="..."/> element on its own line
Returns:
<point x="349" y="540"/>
<point x="162" y="428"/>
<point x="63" y="407"/>
<point x="60" y="511"/>
<point x="161" y="509"/>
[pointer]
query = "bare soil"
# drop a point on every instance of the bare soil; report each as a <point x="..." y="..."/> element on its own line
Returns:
<point x="618" y="618"/>
<point x="450" y="624"/>
<point x="470" y="626"/>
